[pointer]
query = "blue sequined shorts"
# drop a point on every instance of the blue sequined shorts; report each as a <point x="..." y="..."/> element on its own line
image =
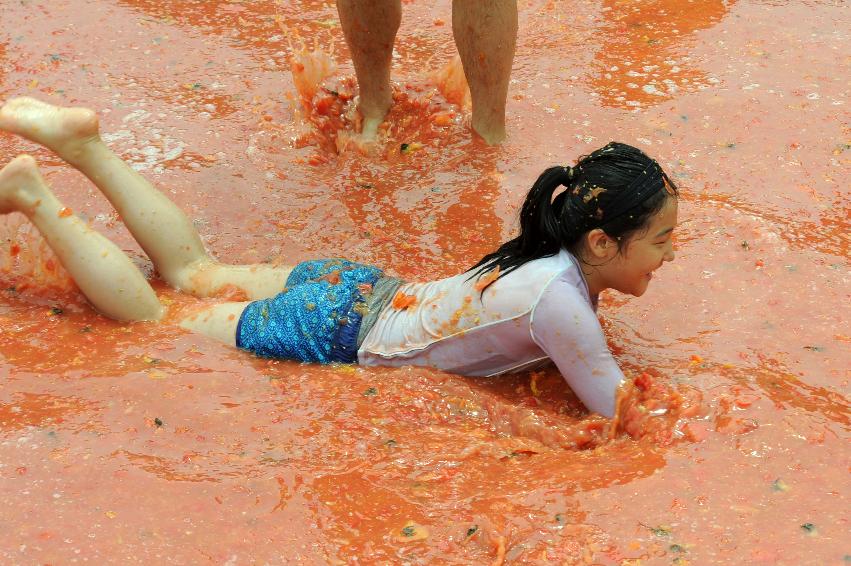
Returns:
<point x="317" y="316"/>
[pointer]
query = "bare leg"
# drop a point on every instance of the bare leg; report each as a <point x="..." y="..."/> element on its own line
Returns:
<point x="160" y="227"/>
<point x="218" y="321"/>
<point x="486" y="34"/>
<point x="370" y="28"/>
<point x="105" y="275"/>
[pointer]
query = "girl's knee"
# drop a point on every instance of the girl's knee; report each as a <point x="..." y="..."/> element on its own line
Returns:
<point x="197" y="278"/>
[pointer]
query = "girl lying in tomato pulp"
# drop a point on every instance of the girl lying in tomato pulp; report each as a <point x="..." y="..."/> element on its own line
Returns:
<point x="531" y="301"/>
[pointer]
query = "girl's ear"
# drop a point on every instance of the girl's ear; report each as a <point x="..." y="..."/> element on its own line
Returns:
<point x="600" y="245"/>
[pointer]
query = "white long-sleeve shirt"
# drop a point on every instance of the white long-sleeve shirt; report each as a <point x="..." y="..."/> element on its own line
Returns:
<point x="539" y="311"/>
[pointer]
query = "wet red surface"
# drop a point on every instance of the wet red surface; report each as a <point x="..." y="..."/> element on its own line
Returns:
<point x="122" y="443"/>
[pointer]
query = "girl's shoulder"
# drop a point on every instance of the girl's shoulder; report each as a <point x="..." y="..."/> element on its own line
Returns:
<point x="522" y="288"/>
<point x="510" y="294"/>
<point x="543" y="271"/>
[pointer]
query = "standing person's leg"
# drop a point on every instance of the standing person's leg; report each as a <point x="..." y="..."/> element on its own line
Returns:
<point x="370" y="28"/>
<point x="104" y="273"/>
<point x="160" y="227"/>
<point x="486" y="33"/>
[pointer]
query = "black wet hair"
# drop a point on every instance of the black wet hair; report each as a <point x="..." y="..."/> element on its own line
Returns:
<point x="616" y="188"/>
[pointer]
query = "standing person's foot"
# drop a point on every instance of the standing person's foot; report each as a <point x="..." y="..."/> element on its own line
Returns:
<point x="372" y="115"/>
<point x="493" y="134"/>
<point x="18" y="180"/>
<point x="64" y="130"/>
<point x="369" y="129"/>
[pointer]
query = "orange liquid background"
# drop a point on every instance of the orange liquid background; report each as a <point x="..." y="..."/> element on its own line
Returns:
<point x="127" y="442"/>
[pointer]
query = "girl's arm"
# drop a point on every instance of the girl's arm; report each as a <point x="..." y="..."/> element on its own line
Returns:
<point x="566" y="328"/>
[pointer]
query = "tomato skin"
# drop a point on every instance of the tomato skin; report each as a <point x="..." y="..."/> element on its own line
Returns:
<point x="644" y="381"/>
<point x="401" y="301"/>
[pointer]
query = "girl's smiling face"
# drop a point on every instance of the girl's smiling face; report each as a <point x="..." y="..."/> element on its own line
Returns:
<point x="630" y="268"/>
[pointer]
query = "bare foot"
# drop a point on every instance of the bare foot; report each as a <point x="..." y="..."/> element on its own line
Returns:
<point x="492" y="132"/>
<point x="64" y="130"/>
<point x="19" y="181"/>
<point x="372" y="113"/>
<point x="347" y="141"/>
<point x="369" y="129"/>
<point x="353" y="138"/>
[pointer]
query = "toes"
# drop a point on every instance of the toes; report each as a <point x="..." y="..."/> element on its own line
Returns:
<point x="22" y="164"/>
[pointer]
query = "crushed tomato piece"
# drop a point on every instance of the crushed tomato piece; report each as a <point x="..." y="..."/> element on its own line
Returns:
<point x="533" y="384"/>
<point x="401" y="301"/>
<point x="486" y="280"/>
<point x="411" y="532"/>
<point x="644" y="381"/>
<point x="442" y="119"/>
<point x="333" y="278"/>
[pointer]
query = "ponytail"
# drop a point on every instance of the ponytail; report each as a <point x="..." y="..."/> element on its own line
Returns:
<point x="541" y="230"/>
